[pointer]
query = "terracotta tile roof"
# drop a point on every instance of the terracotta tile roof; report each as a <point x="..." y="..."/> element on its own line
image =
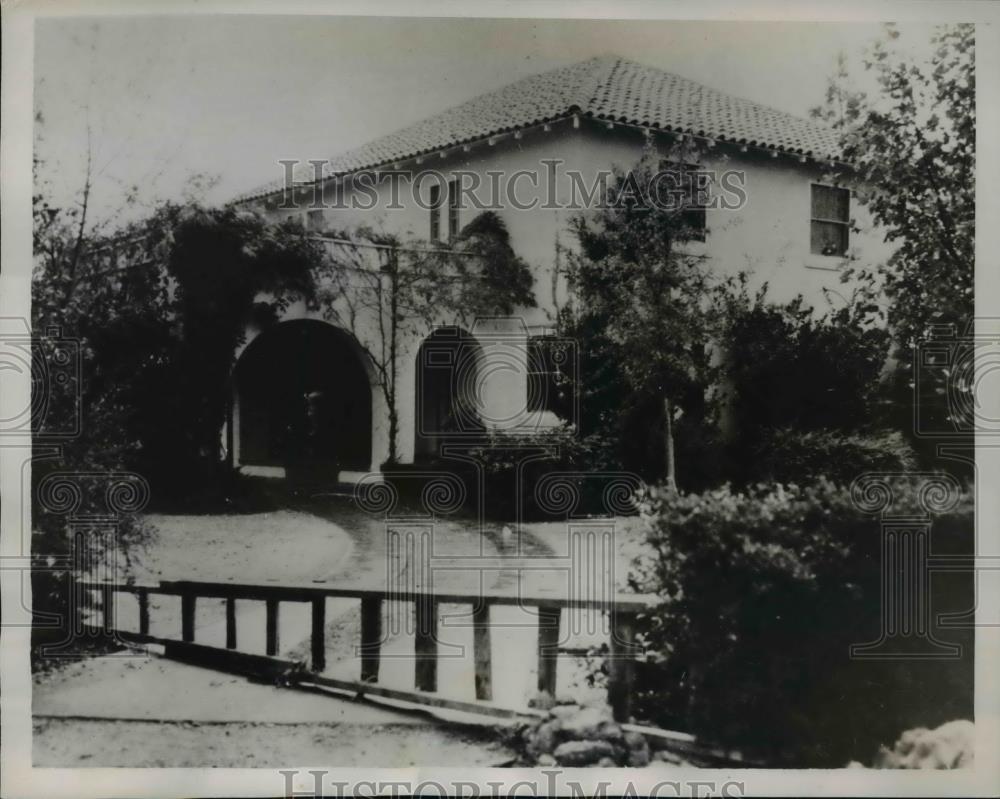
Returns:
<point x="605" y="87"/>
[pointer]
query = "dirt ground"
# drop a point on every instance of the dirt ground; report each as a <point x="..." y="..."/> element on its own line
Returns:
<point x="626" y="534"/>
<point x="127" y="712"/>
<point x="283" y="544"/>
<point x="159" y="744"/>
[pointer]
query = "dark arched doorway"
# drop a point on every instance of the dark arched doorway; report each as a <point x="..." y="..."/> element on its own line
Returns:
<point x="448" y="405"/>
<point x="304" y="401"/>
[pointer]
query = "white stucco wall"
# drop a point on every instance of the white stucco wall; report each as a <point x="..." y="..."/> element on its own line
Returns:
<point x="769" y="236"/>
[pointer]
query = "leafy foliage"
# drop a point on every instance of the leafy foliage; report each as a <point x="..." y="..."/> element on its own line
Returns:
<point x="494" y="278"/>
<point x="788" y="366"/>
<point x="758" y="656"/>
<point x="155" y="312"/>
<point x="790" y="455"/>
<point x="639" y="312"/>
<point x="911" y="147"/>
<point x="792" y="379"/>
<point x="513" y="465"/>
<point x="158" y="311"/>
<point x="227" y="265"/>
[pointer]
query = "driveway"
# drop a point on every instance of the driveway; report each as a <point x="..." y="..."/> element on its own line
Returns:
<point x="134" y="709"/>
<point x="320" y="538"/>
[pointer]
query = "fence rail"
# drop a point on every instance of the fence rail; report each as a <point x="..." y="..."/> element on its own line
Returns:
<point x="621" y="609"/>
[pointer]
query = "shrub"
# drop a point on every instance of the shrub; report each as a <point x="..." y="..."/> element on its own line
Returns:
<point x="763" y="592"/>
<point x="536" y="454"/>
<point x="105" y="551"/>
<point x="788" y="366"/>
<point x="788" y="455"/>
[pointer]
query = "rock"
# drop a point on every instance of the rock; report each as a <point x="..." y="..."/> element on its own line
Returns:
<point x="600" y="705"/>
<point x="546" y="760"/>
<point x="952" y="745"/>
<point x="563" y="712"/>
<point x="542" y="701"/>
<point x="582" y="753"/>
<point x="584" y="724"/>
<point x="666" y="756"/>
<point x="610" y="731"/>
<point x="607" y="762"/>
<point x="638" y="749"/>
<point x="544" y="738"/>
<point x="523" y="729"/>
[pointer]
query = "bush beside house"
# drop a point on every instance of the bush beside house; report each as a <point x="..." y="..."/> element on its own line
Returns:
<point x="515" y="468"/>
<point x="756" y="656"/>
<point x="788" y="455"/>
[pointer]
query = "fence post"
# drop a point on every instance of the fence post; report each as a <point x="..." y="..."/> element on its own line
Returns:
<point x="108" y="609"/>
<point x="319" y="633"/>
<point x="621" y="664"/>
<point x="371" y="637"/>
<point x="549" y="619"/>
<point x="271" y="634"/>
<point x="187" y="618"/>
<point x="143" y="597"/>
<point x="230" y="623"/>
<point x="425" y="644"/>
<point x="481" y="650"/>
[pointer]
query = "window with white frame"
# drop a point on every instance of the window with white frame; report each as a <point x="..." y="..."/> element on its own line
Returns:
<point x="830" y="221"/>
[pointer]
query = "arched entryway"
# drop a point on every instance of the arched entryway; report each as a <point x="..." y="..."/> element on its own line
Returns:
<point x="448" y="403"/>
<point x="304" y="401"/>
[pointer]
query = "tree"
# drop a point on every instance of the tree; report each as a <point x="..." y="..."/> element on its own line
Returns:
<point x="390" y="292"/>
<point x="159" y="309"/>
<point x="104" y="284"/>
<point x="802" y="387"/>
<point x="910" y="146"/>
<point x="229" y="267"/>
<point x="639" y="305"/>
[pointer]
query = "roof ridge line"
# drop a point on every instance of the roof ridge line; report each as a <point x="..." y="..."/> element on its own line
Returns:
<point x="725" y="93"/>
<point x="604" y="86"/>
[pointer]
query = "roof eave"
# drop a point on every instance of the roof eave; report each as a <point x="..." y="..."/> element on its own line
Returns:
<point x="572" y="112"/>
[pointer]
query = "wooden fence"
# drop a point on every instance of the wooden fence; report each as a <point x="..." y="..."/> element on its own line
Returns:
<point x="621" y="609"/>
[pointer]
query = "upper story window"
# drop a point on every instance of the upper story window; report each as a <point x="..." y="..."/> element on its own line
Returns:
<point x="442" y="195"/>
<point x="694" y="185"/>
<point x="830" y="221"/>
<point x="436" y="212"/>
<point x="453" y="208"/>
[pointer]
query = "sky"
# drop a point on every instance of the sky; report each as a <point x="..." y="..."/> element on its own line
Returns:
<point x="167" y="98"/>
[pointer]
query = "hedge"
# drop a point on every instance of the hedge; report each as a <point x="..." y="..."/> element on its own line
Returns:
<point x="763" y="592"/>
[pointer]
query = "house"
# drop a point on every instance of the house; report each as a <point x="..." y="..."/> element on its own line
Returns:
<point x="565" y="127"/>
